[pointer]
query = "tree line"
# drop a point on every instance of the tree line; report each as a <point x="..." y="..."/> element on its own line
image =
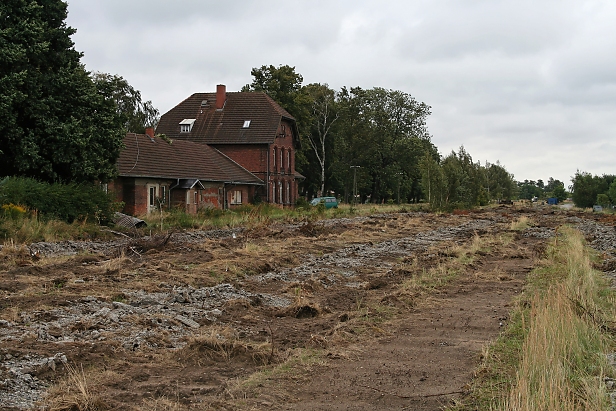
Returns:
<point x="375" y="142"/>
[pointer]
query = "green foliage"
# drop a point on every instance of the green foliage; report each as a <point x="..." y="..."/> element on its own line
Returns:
<point x="282" y="84"/>
<point x="500" y="183"/>
<point x="603" y="200"/>
<point x="384" y="132"/>
<point x="55" y="122"/>
<point x="301" y="203"/>
<point x="135" y="114"/>
<point x="612" y="192"/>
<point x="587" y="187"/>
<point x="434" y="183"/>
<point x="529" y="189"/>
<point x="67" y="202"/>
<point x="13" y="212"/>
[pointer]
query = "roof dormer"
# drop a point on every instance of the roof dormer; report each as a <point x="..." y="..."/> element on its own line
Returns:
<point x="186" y="125"/>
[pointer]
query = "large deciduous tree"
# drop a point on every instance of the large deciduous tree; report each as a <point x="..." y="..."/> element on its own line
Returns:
<point x="56" y="124"/>
<point x="384" y="132"/>
<point x="135" y="113"/>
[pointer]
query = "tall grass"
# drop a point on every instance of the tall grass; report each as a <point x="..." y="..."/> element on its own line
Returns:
<point x="30" y="229"/>
<point x="262" y="214"/>
<point x="563" y="357"/>
<point x="553" y="354"/>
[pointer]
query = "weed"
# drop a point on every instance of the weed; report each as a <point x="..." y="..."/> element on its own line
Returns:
<point x="74" y="393"/>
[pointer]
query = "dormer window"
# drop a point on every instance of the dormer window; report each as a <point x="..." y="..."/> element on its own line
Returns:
<point x="246" y="123"/>
<point x="186" y="125"/>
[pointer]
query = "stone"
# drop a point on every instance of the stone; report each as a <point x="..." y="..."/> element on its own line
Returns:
<point x="187" y="321"/>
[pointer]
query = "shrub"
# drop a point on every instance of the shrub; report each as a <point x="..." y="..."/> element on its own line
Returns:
<point x="301" y="202"/>
<point x="12" y="211"/>
<point x="67" y="202"/>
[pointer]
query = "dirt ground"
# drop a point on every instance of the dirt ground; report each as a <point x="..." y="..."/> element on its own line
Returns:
<point x="388" y="312"/>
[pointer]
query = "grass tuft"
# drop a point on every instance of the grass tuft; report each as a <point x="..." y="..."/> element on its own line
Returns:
<point x="74" y="393"/>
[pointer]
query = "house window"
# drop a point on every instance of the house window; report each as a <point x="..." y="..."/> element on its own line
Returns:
<point x="163" y="194"/>
<point x="281" y="165"/>
<point x="288" y="192"/>
<point x="274" y="157"/>
<point x="152" y="196"/>
<point x="289" y="161"/>
<point x="236" y="197"/>
<point x="246" y="123"/>
<point x="186" y="125"/>
<point x="280" y="192"/>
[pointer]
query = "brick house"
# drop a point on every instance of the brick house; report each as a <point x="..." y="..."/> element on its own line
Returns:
<point x="153" y="172"/>
<point x="248" y="127"/>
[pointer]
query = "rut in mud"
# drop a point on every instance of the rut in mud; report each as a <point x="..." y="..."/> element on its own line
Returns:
<point x="389" y="311"/>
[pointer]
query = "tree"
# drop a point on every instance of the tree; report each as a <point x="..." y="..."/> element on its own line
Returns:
<point x="55" y="122"/>
<point x="529" y="189"/>
<point x="603" y="200"/>
<point x="500" y="183"/>
<point x="555" y="188"/>
<point x="384" y="132"/>
<point x="282" y="84"/>
<point x="612" y="192"/>
<point x="136" y="114"/>
<point x="323" y="116"/>
<point x="433" y="182"/>
<point x="586" y="187"/>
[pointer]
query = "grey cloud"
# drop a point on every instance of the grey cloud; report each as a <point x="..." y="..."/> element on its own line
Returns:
<point x="529" y="83"/>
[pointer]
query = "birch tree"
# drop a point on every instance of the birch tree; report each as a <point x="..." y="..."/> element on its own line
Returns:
<point x="324" y="115"/>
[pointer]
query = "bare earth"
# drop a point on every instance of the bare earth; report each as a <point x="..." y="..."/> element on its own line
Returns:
<point x="307" y="316"/>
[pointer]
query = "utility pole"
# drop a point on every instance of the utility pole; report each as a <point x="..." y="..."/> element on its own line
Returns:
<point x="355" y="183"/>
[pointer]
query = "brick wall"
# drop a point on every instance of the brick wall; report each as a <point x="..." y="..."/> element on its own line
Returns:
<point x="253" y="157"/>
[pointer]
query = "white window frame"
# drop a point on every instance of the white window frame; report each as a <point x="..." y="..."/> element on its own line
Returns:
<point x="236" y="197"/>
<point x="186" y="125"/>
<point x="152" y="193"/>
<point x="288" y="192"/>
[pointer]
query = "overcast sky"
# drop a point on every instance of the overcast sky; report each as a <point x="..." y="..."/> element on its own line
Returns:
<point x="529" y="83"/>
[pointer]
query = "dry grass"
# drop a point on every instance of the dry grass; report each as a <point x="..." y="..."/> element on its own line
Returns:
<point x="297" y="364"/>
<point x="424" y="281"/>
<point x="223" y="344"/>
<point x="552" y="354"/>
<point x="74" y="393"/>
<point x="521" y="224"/>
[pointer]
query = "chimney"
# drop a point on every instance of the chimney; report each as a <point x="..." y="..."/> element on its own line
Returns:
<point x="221" y="96"/>
<point x="149" y="131"/>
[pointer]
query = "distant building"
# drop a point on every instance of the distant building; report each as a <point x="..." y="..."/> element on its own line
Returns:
<point x="249" y="128"/>
<point x="155" y="173"/>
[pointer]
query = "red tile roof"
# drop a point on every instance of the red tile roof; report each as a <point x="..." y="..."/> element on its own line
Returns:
<point x="147" y="157"/>
<point x="226" y="126"/>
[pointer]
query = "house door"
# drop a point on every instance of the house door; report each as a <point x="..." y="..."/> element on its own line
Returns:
<point x="152" y="197"/>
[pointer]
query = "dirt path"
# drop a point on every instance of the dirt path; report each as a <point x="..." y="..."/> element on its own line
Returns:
<point x="429" y="357"/>
<point x="382" y="312"/>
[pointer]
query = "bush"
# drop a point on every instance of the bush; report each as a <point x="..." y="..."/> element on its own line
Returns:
<point x="301" y="202"/>
<point x="67" y="202"/>
<point x="13" y="212"/>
